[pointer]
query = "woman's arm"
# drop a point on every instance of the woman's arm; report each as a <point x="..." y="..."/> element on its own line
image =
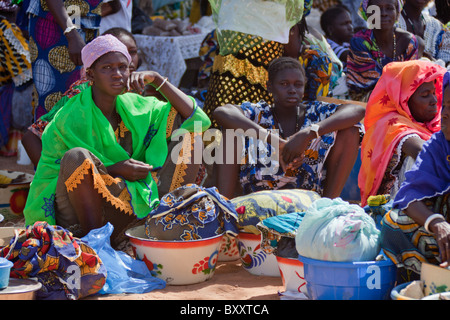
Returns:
<point x="177" y="98"/>
<point x="346" y="116"/>
<point x="232" y="117"/>
<point x="76" y="43"/>
<point x="419" y="212"/>
<point x="33" y="146"/>
<point x="110" y="7"/>
<point x="412" y="147"/>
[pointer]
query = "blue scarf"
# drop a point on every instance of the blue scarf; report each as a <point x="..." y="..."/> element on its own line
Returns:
<point x="430" y="175"/>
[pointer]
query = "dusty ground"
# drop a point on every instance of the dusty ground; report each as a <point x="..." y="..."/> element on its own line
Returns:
<point x="229" y="282"/>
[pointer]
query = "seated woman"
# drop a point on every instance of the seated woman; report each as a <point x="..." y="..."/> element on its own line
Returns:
<point x="318" y="141"/>
<point x="32" y="137"/>
<point x="418" y="229"/>
<point x="95" y="167"/>
<point x="402" y="113"/>
<point x="336" y="22"/>
<point x="372" y="49"/>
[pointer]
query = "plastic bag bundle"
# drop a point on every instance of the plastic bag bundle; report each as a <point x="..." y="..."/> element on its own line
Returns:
<point x="124" y="274"/>
<point x="334" y="230"/>
<point x="250" y="22"/>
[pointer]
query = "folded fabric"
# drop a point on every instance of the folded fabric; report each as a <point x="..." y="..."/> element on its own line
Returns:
<point x="192" y="212"/>
<point x="278" y="234"/>
<point x="67" y="267"/>
<point x="258" y="206"/>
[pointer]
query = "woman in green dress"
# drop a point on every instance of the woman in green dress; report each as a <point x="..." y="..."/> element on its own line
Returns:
<point x="101" y="148"/>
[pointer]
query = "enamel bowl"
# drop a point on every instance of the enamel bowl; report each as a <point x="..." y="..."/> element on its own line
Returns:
<point x="253" y="257"/>
<point x="229" y="250"/>
<point x="292" y="275"/>
<point x="14" y="187"/>
<point x="176" y="262"/>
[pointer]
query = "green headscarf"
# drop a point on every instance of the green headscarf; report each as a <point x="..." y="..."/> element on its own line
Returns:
<point x="80" y="123"/>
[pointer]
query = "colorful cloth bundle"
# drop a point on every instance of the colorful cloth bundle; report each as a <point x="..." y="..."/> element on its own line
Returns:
<point x="66" y="267"/>
<point x="192" y="212"/>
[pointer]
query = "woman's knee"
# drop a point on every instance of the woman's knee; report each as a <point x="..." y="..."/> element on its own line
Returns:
<point x="73" y="159"/>
<point x="351" y="134"/>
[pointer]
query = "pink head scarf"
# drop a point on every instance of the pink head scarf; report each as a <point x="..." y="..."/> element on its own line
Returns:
<point x="101" y="46"/>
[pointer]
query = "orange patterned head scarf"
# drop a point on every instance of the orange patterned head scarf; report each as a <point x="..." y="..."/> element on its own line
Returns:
<point x="388" y="118"/>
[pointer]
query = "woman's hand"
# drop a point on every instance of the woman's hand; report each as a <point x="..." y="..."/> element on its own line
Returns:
<point x="139" y="79"/>
<point x="75" y="44"/>
<point x="130" y="169"/>
<point x="441" y="229"/>
<point x="296" y="146"/>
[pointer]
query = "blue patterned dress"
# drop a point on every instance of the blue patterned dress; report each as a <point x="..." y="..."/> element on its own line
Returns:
<point x="261" y="171"/>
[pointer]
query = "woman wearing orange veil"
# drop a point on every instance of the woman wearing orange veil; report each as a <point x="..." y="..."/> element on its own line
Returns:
<point x="403" y="111"/>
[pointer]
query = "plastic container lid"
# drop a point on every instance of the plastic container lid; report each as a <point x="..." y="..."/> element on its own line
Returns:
<point x="5" y="263"/>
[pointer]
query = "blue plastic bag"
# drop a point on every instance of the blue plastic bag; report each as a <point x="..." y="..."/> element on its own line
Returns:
<point x="124" y="274"/>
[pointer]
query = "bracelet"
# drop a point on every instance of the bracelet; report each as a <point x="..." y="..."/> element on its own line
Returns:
<point x="430" y="219"/>
<point x="68" y="29"/>
<point x="165" y="80"/>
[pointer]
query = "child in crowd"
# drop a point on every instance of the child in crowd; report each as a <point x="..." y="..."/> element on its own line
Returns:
<point x="336" y="22"/>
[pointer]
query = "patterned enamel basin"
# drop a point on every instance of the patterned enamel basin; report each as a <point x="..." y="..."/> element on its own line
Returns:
<point x="254" y="259"/>
<point x="176" y="262"/>
<point x="229" y="250"/>
<point x="292" y="274"/>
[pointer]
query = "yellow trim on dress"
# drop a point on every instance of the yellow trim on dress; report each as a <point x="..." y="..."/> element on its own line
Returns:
<point x="100" y="183"/>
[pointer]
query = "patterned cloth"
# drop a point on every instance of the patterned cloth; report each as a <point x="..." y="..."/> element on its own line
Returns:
<point x="365" y="62"/>
<point x="15" y="63"/>
<point x="240" y="77"/>
<point x="318" y="69"/>
<point x="192" y="212"/>
<point x="66" y="267"/>
<point x="278" y="234"/>
<point x="262" y="205"/>
<point x="15" y="72"/>
<point x="53" y="71"/>
<point x="263" y="173"/>
<point x="407" y="243"/>
<point x="208" y="50"/>
<point x="388" y="118"/>
<point x="339" y="49"/>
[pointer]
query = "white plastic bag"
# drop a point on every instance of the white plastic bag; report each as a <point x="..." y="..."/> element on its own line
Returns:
<point x="334" y="230"/>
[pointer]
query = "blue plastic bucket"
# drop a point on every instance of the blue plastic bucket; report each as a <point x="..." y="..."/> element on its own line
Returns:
<point x="364" y="280"/>
<point x="5" y="268"/>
